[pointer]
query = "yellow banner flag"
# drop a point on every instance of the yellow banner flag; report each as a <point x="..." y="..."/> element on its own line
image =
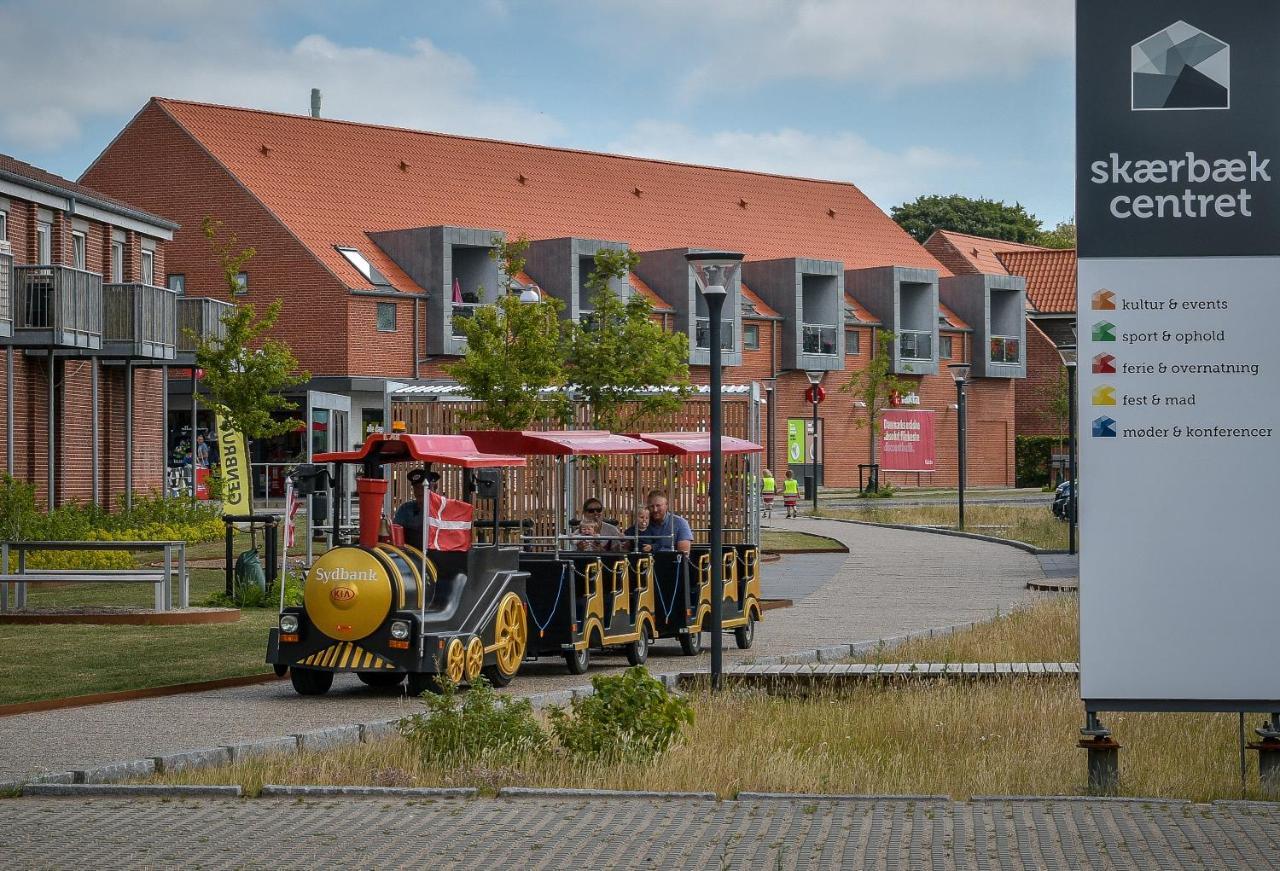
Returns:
<point x="235" y="470"/>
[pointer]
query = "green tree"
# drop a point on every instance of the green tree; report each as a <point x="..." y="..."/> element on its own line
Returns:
<point x="875" y="385"/>
<point x="515" y="350"/>
<point x="978" y="217"/>
<point x="619" y="354"/>
<point x="246" y="372"/>
<point x="511" y="255"/>
<point x="1061" y="236"/>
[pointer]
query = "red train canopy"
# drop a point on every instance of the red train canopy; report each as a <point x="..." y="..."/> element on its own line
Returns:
<point x="449" y="450"/>
<point x="695" y="444"/>
<point x="589" y="442"/>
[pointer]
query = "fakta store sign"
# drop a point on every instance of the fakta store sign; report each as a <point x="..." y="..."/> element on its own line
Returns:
<point x="906" y="441"/>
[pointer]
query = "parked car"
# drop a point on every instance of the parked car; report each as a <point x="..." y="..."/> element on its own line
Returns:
<point x="1062" y="500"/>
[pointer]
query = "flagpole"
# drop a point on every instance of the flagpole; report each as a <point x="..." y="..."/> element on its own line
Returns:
<point x="288" y="536"/>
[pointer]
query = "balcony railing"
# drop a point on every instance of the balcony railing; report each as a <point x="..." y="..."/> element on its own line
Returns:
<point x="200" y="318"/>
<point x="6" y="294"/>
<point x="462" y="311"/>
<point x="915" y="345"/>
<point x="819" y="339"/>
<point x="58" y="305"/>
<point x="1006" y="349"/>
<point x="140" y="320"/>
<point x="702" y="334"/>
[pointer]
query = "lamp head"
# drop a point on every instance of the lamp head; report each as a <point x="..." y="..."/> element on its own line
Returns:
<point x="530" y="295"/>
<point x="814" y="377"/>
<point x="959" y="372"/>
<point x="714" y="271"/>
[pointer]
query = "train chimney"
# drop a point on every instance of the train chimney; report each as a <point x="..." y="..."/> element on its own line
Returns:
<point x="371" y="492"/>
<point x="315" y="102"/>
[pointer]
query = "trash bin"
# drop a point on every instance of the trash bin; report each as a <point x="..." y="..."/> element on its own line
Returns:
<point x="808" y="488"/>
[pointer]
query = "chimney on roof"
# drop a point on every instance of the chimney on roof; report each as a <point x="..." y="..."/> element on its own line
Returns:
<point x="315" y="102"/>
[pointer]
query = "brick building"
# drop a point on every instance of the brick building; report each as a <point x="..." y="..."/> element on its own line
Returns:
<point x="84" y="332"/>
<point x="377" y="239"/>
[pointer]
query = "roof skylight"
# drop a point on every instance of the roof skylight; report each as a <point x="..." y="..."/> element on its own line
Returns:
<point x="362" y="264"/>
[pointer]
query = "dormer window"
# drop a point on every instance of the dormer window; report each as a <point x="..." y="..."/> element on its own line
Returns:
<point x="363" y="266"/>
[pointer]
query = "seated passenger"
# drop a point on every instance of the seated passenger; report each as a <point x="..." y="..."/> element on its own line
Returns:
<point x="667" y="531"/>
<point x="595" y="534"/>
<point x="635" y="531"/>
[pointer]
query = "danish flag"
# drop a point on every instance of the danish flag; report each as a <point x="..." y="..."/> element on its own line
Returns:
<point x="291" y="505"/>
<point x="448" y="525"/>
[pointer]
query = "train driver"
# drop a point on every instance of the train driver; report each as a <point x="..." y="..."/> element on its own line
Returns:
<point x="409" y="515"/>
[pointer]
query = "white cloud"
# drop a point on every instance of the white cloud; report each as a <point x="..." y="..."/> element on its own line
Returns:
<point x="887" y="177"/>
<point x="886" y="43"/>
<point x="93" y="67"/>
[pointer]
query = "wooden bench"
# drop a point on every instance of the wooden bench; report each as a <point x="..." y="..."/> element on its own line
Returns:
<point x="160" y="577"/>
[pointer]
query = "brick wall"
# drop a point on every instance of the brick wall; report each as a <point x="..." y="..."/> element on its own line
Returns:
<point x="1035" y="393"/>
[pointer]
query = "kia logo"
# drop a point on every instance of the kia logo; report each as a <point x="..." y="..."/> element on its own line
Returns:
<point x="342" y="594"/>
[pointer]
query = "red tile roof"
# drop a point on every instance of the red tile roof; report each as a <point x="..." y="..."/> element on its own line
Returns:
<point x="1050" y="275"/>
<point x="763" y="309"/>
<point x="966" y="254"/>
<point x="331" y="182"/>
<point x="860" y="312"/>
<point x="637" y="284"/>
<point x="952" y="319"/>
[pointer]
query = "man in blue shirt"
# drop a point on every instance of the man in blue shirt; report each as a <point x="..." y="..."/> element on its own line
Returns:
<point x="666" y="531"/>
<point x="409" y="515"/>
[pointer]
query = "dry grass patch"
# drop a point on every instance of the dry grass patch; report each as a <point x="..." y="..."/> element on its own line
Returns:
<point x="1032" y="524"/>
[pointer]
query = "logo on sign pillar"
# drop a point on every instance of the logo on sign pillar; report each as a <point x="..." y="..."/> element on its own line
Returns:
<point x="1104" y="331"/>
<point x="1104" y="395"/>
<point x="1181" y="67"/>
<point x="1104" y="428"/>
<point x="1104" y="364"/>
<point x="1104" y="300"/>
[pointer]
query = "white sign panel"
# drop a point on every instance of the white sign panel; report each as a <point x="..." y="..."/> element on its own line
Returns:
<point x="1178" y="187"/>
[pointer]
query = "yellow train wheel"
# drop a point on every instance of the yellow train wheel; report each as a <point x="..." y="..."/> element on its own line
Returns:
<point x="455" y="661"/>
<point x="510" y="633"/>
<point x="475" y="658"/>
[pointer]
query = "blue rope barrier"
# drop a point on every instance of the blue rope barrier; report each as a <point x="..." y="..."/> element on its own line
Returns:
<point x="542" y="625"/>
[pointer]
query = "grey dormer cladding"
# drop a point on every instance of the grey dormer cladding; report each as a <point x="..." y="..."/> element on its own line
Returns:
<point x="667" y="272"/>
<point x="433" y="257"/>
<point x="804" y="292"/>
<point x="995" y="306"/>
<point x="561" y="268"/>
<point x="905" y="299"/>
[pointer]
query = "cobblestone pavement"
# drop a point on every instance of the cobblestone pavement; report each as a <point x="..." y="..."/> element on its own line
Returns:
<point x="892" y="581"/>
<point x="628" y="833"/>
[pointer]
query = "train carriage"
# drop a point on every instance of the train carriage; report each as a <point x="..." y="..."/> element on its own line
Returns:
<point x="392" y="610"/>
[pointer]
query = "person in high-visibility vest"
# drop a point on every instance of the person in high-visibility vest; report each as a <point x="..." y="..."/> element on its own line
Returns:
<point x="768" y="487"/>
<point x="791" y="493"/>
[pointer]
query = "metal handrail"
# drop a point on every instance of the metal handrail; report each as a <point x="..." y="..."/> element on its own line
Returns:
<point x="702" y="334"/>
<point x="818" y="338"/>
<point x="141" y="314"/>
<point x="58" y="298"/>
<point x="200" y="317"/>
<point x="164" y="589"/>
<point x="461" y="312"/>
<point x="6" y="291"/>
<point x="915" y="344"/>
<point x="1006" y="349"/>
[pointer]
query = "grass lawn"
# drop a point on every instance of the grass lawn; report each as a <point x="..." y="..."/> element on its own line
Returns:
<point x="956" y="738"/>
<point x="785" y="541"/>
<point x="1032" y="524"/>
<point x="52" y="661"/>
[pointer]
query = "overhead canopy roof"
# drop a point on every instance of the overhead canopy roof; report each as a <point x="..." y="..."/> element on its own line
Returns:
<point x="449" y="450"/>
<point x="592" y="442"/>
<point x="696" y="443"/>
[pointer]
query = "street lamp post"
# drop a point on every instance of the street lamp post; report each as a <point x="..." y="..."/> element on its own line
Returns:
<point x="960" y="372"/>
<point x="815" y="396"/>
<point x="715" y="272"/>
<point x="1068" y="354"/>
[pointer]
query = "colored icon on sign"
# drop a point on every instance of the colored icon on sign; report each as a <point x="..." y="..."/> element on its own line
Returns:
<point x="1104" y="300"/>
<point x="1104" y="331"/>
<point x="1104" y="395"/>
<point x="1104" y="428"/>
<point x="1104" y="364"/>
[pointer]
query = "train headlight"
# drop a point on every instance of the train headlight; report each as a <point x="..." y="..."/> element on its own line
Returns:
<point x="399" y="630"/>
<point x="289" y="623"/>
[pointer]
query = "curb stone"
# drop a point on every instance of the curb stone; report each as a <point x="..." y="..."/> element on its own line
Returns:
<point x="263" y="747"/>
<point x="378" y="730"/>
<point x="1260" y="804"/>
<point x="285" y="790"/>
<point x="328" y="738"/>
<point x="131" y="790"/>
<point x="115" y="771"/>
<point x="954" y="533"/>
<point x="818" y="796"/>
<point x="529" y="792"/>
<point x="206" y="757"/>
<point x="57" y="777"/>
<point x="547" y="700"/>
<point x="1089" y="798"/>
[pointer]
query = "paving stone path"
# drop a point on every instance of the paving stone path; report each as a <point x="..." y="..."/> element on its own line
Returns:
<point x="891" y="582"/>
<point x="629" y="833"/>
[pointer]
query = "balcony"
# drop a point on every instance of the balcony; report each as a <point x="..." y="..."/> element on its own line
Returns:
<point x="57" y="307"/>
<point x="462" y="312"/>
<point x="1006" y="349"/>
<point x="703" y="334"/>
<point x="140" y="321"/>
<point x="199" y="318"/>
<point x="915" y="345"/>
<point x="818" y="339"/>
<point x="6" y="295"/>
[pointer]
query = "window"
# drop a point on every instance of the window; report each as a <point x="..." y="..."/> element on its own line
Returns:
<point x="944" y="347"/>
<point x="4" y="226"/>
<point x="177" y="282"/>
<point x="117" y="262"/>
<point x="148" y="266"/>
<point x="242" y="283"/>
<point x="851" y="339"/>
<point x="386" y="317"/>
<point x="362" y="264"/>
<point x="44" y="244"/>
<point x="78" y="245"/>
<point x="751" y="337"/>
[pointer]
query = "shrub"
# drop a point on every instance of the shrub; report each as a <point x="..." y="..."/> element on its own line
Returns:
<point x="1034" y="454"/>
<point x="252" y="596"/>
<point x="478" y="724"/>
<point x="629" y="716"/>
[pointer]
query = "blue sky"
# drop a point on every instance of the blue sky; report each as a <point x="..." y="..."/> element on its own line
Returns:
<point x="901" y="98"/>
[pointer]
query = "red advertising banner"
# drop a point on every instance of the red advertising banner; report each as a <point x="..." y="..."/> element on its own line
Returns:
<point x="906" y="441"/>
